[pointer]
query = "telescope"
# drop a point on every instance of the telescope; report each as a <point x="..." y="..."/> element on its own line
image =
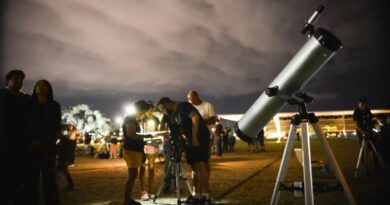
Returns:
<point x="319" y="48"/>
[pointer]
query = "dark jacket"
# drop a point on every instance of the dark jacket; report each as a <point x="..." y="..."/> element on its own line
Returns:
<point x="13" y="119"/>
<point x="45" y="122"/>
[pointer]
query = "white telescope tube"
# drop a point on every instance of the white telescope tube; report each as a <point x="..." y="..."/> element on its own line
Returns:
<point x="314" y="54"/>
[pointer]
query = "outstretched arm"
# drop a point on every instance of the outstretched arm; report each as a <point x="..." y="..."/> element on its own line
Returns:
<point x="132" y="133"/>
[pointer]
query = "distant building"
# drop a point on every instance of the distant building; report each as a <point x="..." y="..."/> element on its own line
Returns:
<point x="334" y="124"/>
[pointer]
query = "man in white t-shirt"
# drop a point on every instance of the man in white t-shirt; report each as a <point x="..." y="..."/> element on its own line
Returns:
<point x="207" y="112"/>
<point x="205" y="108"/>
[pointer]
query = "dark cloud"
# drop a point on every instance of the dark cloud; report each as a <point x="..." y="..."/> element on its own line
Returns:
<point x="113" y="52"/>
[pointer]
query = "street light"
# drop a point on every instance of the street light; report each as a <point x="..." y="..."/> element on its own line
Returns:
<point x="129" y="109"/>
<point x="119" y="120"/>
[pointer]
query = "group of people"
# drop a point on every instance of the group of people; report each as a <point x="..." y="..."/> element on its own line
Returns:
<point x="258" y="142"/>
<point x="29" y="130"/>
<point x="30" y="127"/>
<point x="31" y="124"/>
<point x="223" y="139"/>
<point x="190" y="120"/>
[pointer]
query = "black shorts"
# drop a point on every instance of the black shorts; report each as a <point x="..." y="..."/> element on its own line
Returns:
<point x="197" y="154"/>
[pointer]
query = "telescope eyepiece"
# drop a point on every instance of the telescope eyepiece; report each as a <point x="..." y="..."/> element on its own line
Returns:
<point x="309" y="24"/>
<point x="320" y="9"/>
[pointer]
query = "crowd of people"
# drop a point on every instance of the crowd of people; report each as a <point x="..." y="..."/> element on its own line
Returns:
<point x="44" y="151"/>
<point x="29" y="124"/>
<point x="188" y="121"/>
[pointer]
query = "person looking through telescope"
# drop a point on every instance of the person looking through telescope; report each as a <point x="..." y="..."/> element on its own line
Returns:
<point x="196" y="132"/>
<point x="363" y="118"/>
<point x="365" y="123"/>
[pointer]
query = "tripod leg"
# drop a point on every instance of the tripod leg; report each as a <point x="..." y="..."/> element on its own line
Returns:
<point x="377" y="154"/>
<point x="334" y="165"/>
<point x="284" y="163"/>
<point x="163" y="182"/>
<point x="186" y="179"/>
<point x="359" y="159"/>
<point x="193" y="183"/>
<point x="306" y="158"/>
<point x="365" y="157"/>
<point x="177" y="177"/>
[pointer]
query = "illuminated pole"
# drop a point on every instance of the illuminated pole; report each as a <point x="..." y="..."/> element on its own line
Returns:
<point x="277" y="126"/>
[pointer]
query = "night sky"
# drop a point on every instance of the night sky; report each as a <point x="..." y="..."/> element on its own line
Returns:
<point x="109" y="53"/>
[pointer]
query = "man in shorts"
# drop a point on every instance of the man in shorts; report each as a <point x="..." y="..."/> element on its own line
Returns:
<point x="207" y="111"/>
<point x="196" y="132"/>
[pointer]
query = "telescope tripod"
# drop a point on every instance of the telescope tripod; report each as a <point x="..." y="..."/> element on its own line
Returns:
<point x="365" y="146"/>
<point x="304" y="119"/>
<point x="175" y="170"/>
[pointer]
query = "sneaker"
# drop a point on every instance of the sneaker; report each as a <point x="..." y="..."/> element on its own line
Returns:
<point x="132" y="202"/>
<point x="191" y="200"/>
<point x="205" y="201"/>
<point x="152" y="196"/>
<point x="144" y="196"/>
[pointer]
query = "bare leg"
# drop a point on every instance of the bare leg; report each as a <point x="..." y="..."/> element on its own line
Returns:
<point x="195" y="178"/>
<point x="142" y="170"/>
<point x="201" y="168"/>
<point x="208" y="170"/>
<point x="129" y="184"/>
<point x="151" y="160"/>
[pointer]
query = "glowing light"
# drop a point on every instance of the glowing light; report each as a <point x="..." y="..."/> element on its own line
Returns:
<point x="130" y="109"/>
<point x="119" y="120"/>
<point x="151" y="123"/>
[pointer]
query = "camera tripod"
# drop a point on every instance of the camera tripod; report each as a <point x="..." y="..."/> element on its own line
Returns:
<point x="365" y="146"/>
<point x="176" y="172"/>
<point x="304" y="119"/>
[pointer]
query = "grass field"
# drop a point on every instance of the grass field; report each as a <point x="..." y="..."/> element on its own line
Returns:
<point x="241" y="177"/>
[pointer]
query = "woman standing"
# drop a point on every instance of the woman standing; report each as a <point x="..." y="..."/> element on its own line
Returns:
<point x="133" y="149"/>
<point x="72" y="138"/>
<point x="46" y="119"/>
<point x="149" y="124"/>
